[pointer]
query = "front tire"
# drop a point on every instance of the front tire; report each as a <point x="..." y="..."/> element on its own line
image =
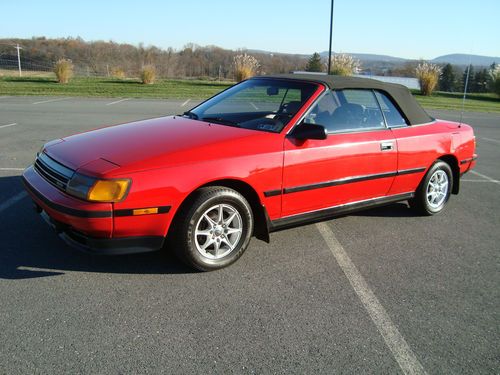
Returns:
<point x="214" y="229"/>
<point x="434" y="190"/>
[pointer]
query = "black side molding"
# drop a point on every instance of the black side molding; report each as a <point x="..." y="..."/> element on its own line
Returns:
<point x="342" y="181"/>
<point x="272" y="193"/>
<point x="410" y="171"/>
<point x="319" y="215"/>
<point x="465" y="161"/>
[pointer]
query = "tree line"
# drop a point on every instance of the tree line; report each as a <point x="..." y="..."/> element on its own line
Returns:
<point x="453" y="78"/>
<point x="107" y="58"/>
<point x="103" y="57"/>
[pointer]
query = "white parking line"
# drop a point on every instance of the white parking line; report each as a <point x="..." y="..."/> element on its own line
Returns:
<point x="9" y="202"/>
<point x="12" y="169"/>
<point x="6" y="126"/>
<point x="491" y="140"/>
<point x="185" y="103"/>
<point x="118" y="101"/>
<point x="51" y="100"/>
<point x="253" y="105"/>
<point x="36" y="269"/>
<point x="485" y="177"/>
<point x="464" y="180"/>
<point x="393" y="339"/>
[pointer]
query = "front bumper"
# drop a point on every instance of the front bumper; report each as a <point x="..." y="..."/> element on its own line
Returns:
<point x="83" y="225"/>
<point x="103" y="246"/>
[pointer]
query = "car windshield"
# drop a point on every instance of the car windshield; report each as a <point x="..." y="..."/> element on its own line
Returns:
<point x="260" y="104"/>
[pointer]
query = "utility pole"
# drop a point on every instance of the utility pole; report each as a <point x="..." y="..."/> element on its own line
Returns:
<point x="331" y="32"/>
<point x="19" y="58"/>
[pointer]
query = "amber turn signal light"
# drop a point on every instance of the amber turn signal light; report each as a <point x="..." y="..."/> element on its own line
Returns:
<point x="145" y="211"/>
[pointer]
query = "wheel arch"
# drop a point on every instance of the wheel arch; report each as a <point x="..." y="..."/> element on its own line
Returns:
<point x="261" y="219"/>
<point x="452" y="161"/>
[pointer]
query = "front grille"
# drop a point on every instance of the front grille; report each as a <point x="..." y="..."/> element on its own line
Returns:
<point x="53" y="171"/>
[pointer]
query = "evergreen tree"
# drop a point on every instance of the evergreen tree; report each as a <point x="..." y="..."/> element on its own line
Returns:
<point x="314" y="64"/>
<point x="481" y="81"/>
<point x="448" y="79"/>
<point x="495" y="79"/>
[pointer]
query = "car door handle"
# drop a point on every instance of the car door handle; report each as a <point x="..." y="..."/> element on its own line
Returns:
<point x="386" y="146"/>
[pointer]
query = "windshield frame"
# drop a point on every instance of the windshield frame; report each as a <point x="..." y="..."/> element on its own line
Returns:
<point x="282" y="118"/>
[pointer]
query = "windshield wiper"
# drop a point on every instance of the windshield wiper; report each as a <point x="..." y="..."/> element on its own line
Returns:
<point x="219" y="120"/>
<point x="191" y="115"/>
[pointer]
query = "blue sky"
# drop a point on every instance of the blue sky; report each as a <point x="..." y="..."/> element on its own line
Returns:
<point x="411" y="29"/>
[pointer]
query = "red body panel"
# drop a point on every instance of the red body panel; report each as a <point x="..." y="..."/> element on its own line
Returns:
<point x="419" y="146"/>
<point x="169" y="158"/>
<point x="156" y="143"/>
<point x="170" y="186"/>
<point x="340" y="156"/>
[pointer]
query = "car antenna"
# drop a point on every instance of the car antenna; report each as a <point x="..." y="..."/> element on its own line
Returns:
<point x="465" y="92"/>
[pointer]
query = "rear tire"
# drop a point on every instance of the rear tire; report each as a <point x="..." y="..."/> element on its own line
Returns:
<point x="214" y="229"/>
<point x="434" y="190"/>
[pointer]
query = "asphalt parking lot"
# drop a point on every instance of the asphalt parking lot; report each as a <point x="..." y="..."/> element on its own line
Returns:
<point x="382" y="291"/>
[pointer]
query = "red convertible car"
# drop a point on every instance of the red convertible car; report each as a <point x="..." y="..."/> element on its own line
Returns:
<point x="268" y="153"/>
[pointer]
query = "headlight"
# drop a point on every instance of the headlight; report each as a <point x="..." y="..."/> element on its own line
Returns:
<point x="80" y="185"/>
<point x="109" y="190"/>
<point x="96" y="190"/>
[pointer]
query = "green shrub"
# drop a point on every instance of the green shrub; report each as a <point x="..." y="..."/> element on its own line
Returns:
<point x="148" y="74"/>
<point x="63" y="69"/>
<point x="428" y="77"/>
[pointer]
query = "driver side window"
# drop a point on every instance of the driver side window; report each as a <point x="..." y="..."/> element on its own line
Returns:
<point x="347" y="110"/>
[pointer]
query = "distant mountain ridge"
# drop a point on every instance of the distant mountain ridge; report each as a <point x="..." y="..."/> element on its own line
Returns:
<point x="465" y="59"/>
<point x="454" y="59"/>
<point x="372" y="57"/>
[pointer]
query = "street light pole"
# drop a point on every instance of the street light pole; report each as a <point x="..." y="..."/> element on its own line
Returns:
<point x="331" y="31"/>
<point x="18" y="58"/>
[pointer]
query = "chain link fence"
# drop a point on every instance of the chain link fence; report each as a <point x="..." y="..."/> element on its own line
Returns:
<point x="9" y="67"/>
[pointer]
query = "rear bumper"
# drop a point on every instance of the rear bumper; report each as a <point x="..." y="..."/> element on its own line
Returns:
<point x="467" y="164"/>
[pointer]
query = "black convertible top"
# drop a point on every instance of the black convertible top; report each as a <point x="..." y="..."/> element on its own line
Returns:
<point x="399" y="93"/>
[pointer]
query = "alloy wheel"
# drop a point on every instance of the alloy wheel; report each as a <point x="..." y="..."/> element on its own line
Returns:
<point x="218" y="231"/>
<point x="437" y="188"/>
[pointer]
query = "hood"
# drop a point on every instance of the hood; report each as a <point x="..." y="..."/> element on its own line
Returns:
<point x="149" y="144"/>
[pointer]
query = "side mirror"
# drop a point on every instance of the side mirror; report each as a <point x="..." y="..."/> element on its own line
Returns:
<point x="309" y="131"/>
